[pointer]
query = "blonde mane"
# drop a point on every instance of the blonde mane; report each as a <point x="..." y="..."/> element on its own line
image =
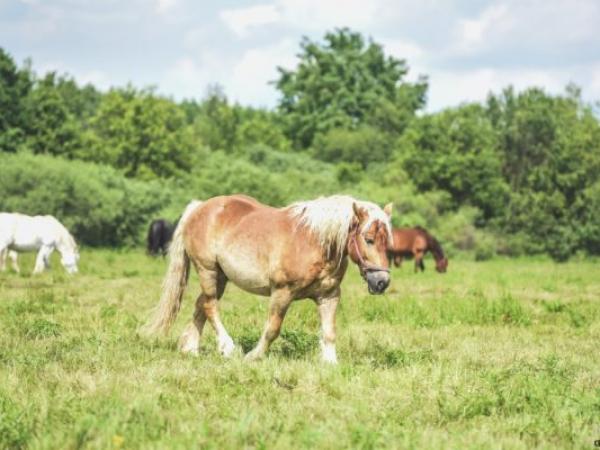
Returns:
<point x="330" y="218"/>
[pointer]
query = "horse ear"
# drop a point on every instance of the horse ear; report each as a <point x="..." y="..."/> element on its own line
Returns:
<point x="388" y="209"/>
<point x="360" y="213"/>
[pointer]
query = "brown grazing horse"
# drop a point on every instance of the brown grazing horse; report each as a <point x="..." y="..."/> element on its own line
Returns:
<point x="300" y="251"/>
<point x="415" y="242"/>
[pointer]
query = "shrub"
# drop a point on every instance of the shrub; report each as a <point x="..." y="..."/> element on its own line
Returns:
<point x="96" y="203"/>
<point x="485" y="246"/>
<point x="365" y="145"/>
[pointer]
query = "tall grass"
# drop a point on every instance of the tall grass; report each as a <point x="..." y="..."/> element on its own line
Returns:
<point x="498" y="354"/>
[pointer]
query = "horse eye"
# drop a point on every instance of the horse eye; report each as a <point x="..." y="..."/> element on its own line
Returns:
<point x="369" y="241"/>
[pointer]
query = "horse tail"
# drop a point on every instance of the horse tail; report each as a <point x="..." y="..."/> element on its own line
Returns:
<point x="175" y="280"/>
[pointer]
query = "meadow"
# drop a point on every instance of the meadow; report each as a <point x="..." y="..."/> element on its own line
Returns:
<point x="496" y="354"/>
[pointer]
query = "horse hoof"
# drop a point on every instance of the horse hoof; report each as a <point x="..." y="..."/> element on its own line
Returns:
<point x="252" y="356"/>
<point x="227" y="347"/>
<point x="189" y="351"/>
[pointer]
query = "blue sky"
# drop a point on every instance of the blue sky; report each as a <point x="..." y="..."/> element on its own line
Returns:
<point x="467" y="48"/>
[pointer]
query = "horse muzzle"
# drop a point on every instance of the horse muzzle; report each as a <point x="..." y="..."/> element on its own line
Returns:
<point x="377" y="281"/>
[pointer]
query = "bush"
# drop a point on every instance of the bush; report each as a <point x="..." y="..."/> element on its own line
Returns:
<point x="271" y="177"/>
<point x="485" y="246"/>
<point x="365" y="145"/>
<point x="96" y="203"/>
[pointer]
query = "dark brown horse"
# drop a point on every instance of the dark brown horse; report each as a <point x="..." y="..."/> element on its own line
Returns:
<point x="160" y="234"/>
<point x="415" y="242"/>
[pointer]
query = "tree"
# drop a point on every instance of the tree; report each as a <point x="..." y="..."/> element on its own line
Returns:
<point x="345" y="83"/>
<point x="50" y="127"/>
<point x="217" y="121"/>
<point x="364" y="145"/>
<point x="455" y="151"/>
<point x="144" y="135"/>
<point x="14" y="86"/>
<point x="550" y="147"/>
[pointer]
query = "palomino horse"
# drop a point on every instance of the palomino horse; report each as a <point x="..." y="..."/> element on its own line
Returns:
<point x="291" y="253"/>
<point x="416" y="242"/>
<point x="22" y="233"/>
<point x="160" y="233"/>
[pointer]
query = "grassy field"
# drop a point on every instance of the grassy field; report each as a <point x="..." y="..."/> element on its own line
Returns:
<point x="501" y="354"/>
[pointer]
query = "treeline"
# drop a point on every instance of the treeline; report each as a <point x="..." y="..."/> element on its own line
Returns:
<point x="518" y="174"/>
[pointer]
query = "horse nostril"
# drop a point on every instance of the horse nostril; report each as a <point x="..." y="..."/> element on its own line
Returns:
<point x="381" y="285"/>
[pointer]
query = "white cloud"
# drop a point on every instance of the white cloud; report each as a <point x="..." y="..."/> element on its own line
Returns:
<point x="308" y="15"/>
<point x="467" y="48"/>
<point x="250" y="79"/>
<point x="163" y="6"/>
<point x="321" y="15"/>
<point x="190" y="77"/>
<point x="244" y="79"/>
<point x="473" y="33"/>
<point x="404" y="49"/>
<point x="241" y="20"/>
<point x="97" y="78"/>
<point x="453" y="87"/>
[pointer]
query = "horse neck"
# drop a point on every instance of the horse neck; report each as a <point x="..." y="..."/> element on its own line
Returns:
<point x="65" y="243"/>
<point x="434" y="246"/>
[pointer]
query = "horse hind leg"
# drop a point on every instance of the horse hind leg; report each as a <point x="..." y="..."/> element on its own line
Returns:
<point x="213" y="284"/>
<point x="3" y="254"/>
<point x="14" y="260"/>
<point x="189" y="342"/>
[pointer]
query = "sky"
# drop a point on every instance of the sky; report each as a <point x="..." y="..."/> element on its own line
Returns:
<point x="467" y="48"/>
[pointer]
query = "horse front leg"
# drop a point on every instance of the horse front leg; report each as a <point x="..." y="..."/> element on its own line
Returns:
<point x="278" y="305"/>
<point x="327" y="308"/>
<point x="42" y="261"/>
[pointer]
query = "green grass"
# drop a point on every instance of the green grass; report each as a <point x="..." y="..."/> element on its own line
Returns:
<point x="501" y="354"/>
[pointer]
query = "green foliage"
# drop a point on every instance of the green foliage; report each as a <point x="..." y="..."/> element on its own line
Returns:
<point x="144" y="135"/>
<point x="97" y="204"/>
<point x="550" y="146"/>
<point x="51" y="128"/>
<point x="518" y="174"/>
<point x="14" y="87"/>
<point x="343" y="83"/>
<point x="586" y="212"/>
<point x="364" y="146"/>
<point x="454" y="151"/>
<point x="217" y="121"/>
<point x="485" y="246"/>
<point x="270" y="176"/>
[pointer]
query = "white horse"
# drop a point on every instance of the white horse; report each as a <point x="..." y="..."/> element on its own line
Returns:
<point x="21" y="233"/>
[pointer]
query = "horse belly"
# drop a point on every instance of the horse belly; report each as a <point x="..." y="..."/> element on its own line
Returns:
<point x="26" y="239"/>
<point x="246" y="271"/>
<point x="25" y="246"/>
